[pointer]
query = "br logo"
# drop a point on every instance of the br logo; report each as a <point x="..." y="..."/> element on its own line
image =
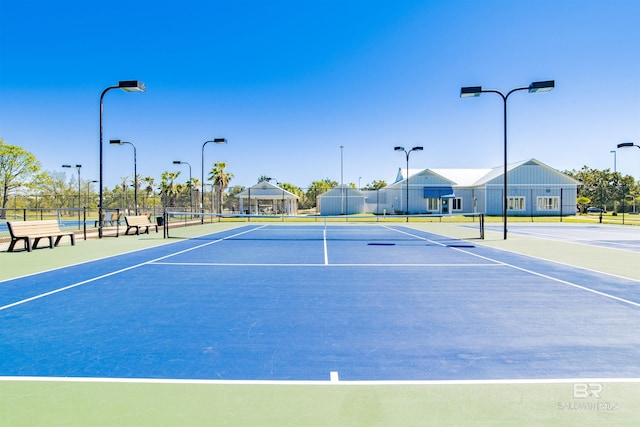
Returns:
<point x="584" y="390"/>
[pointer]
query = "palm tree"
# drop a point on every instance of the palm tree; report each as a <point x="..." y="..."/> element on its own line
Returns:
<point x="194" y="190"/>
<point x="123" y="185"/>
<point x="148" y="189"/>
<point x="168" y="188"/>
<point x="220" y="179"/>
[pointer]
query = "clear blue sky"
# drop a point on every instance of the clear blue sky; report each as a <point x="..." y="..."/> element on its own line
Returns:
<point x="288" y="82"/>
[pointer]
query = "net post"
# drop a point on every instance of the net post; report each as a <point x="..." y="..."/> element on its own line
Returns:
<point x="165" y="224"/>
<point x="482" y="226"/>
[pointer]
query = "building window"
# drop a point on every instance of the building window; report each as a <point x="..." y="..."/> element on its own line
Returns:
<point x="457" y="204"/>
<point x="548" y="203"/>
<point x="433" y="205"/>
<point x="516" y="203"/>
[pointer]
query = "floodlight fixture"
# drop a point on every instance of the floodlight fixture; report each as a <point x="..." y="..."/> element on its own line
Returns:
<point x="132" y="86"/>
<point x="473" y="91"/>
<point x="127" y="86"/>
<point x="470" y="91"/>
<point x="627" y="144"/>
<point x="407" y="153"/>
<point x="178" y="162"/>
<point x="219" y="141"/>
<point x="544" y="86"/>
<point x="135" y="170"/>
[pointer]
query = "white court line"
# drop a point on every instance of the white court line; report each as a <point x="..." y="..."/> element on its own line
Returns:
<point x="565" y="282"/>
<point x="324" y="238"/>
<point x="317" y="382"/>
<point x="84" y="282"/>
<point x="555" y="279"/>
<point x="616" y="245"/>
<point x="368" y="265"/>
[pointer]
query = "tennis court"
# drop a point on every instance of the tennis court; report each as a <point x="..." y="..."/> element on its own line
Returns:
<point x="280" y="323"/>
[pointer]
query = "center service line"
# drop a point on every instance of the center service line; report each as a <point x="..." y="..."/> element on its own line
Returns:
<point x="326" y="254"/>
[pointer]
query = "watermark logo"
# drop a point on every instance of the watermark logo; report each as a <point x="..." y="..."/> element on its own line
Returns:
<point x="588" y="397"/>
<point x="585" y="390"/>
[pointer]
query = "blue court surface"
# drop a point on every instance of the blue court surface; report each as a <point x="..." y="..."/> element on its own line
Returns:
<point x="300" y="302"/>
<point x="604" y="235"/>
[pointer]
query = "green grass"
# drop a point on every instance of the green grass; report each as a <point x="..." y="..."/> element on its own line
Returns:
<point x="52" y="403"/>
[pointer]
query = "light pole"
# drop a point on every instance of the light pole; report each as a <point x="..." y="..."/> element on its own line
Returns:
<point x="614" y="160"/>
<point x="419" y="148"/>
<point x="473" y="91"/>
<point x="127" y="86"/>
<point x="135" y="171"/>
<point x="215" y="141"/>
<point x="178" y="162"/>
<point x="93" y="181"/>
<point x="79" y="201"/>
<point x="342" y="180"/>
<point x="629" y="145"/>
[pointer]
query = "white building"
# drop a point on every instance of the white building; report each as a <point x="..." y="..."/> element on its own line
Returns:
<point x="534" y="189"/>
<point x="265" y="198"/>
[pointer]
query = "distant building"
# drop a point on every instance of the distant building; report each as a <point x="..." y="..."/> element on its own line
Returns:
<point x="265" y="198"/>
<point x="341" y="200"/>
<point x="534" y="189"/>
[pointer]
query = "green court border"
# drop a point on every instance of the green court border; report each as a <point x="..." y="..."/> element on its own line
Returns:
<point x="77" y="402"/>
<point x="93" y="403"/>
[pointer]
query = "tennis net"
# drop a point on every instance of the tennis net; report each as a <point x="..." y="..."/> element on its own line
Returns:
<point x="311" y="227"/>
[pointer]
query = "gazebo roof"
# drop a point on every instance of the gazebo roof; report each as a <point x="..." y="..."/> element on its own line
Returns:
<point x="266" y="190"/>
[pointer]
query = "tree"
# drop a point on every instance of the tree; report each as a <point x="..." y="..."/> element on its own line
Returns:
<point x="18" y="169"/>
<point x="220" y="179"/>
<point x="603" y="187"/>
<point x="148" y="189"/>
<point x="315" y="189"/>
<point x="123" y="186"/>
<point x="168" y="188"/>
<point x="375" y="185"/>
<point x="583" y="202"/>
<point x="54" y="190"/>
<point x="232" y="196"/>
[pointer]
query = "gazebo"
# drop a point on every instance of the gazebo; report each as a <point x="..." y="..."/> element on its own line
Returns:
<point x="265" y="198"/>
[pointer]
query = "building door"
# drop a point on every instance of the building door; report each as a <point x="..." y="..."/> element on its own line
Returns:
<point x="445" y="206"/>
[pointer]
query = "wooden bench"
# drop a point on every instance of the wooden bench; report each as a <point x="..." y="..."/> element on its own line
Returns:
<point x="138" y="222"/>
<point x="32" y="231"/>
<point x="110" y="219"/>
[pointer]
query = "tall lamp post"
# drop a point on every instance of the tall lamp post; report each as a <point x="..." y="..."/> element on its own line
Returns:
<point x="342" y="180"/>
<point x="215" y="141"/>
<point x="93" y="181"/>
<point x="615" y="166"/>
<point x="178" y="162"/>
<point x="135" y="171"/>
<point x="473" y="91"/>
<point x="629" y="145"/>
<point x="127" y="86"/>
<point x="79" y="200"/>
<point x="419" y="148"/>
